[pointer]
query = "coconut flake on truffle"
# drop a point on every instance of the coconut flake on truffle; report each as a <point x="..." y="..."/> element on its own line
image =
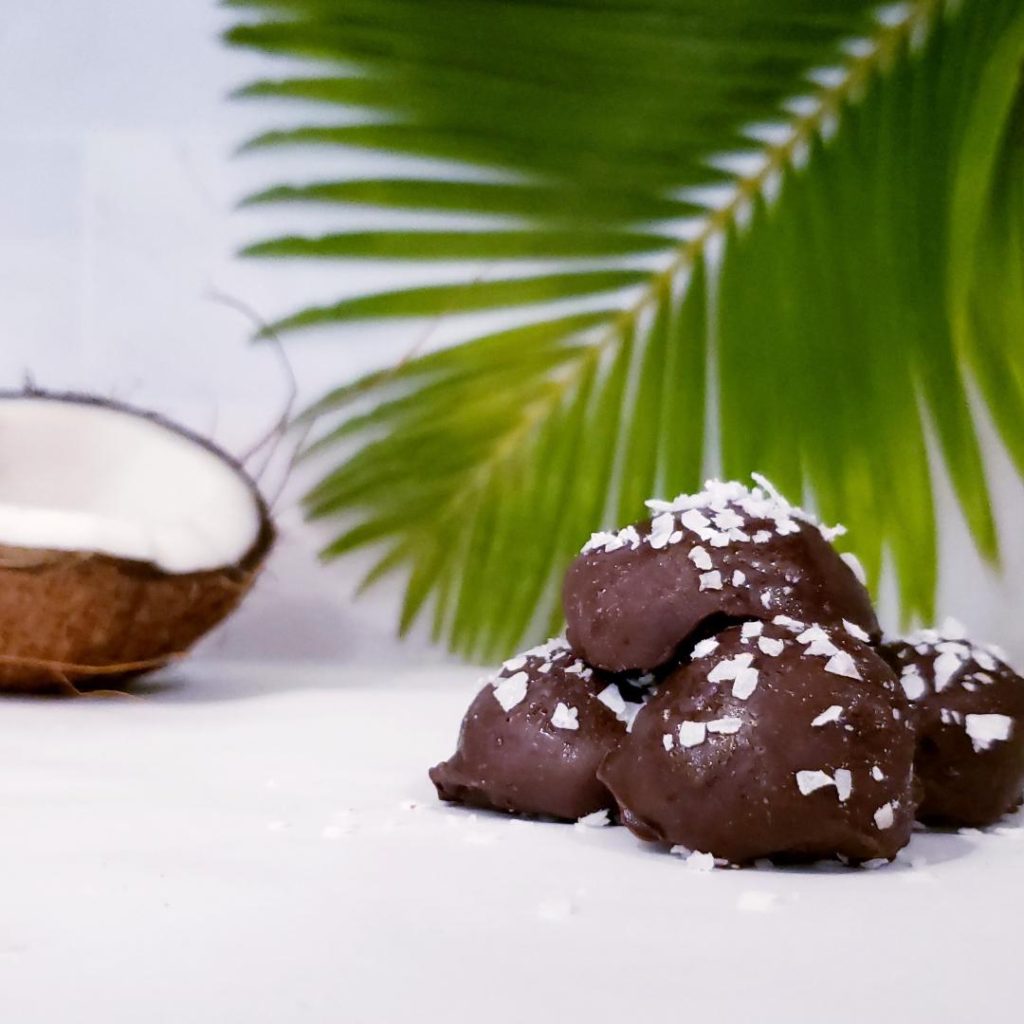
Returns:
<point x="830" y="714"/>
<point x="984" y="730"/>
<point x="700" y="558"/>
<point x="912" y="682"/>
<point x="509" y="692"/>
<point x="793" y="625"/>
<point x="726" y="726"/>
<point x="662" y="528"/>
<point x="809" y="781"/>
<point x="565" y="717"/>
<point x="842" y="664"/>
<point x="855" y="631"/>
<point x="611" y="697"/>
<point x="745" y="683"/>
<point x="771" y="646"/>
<point x="711" y="580"/>
<point x="947" y="664"/>
<point x="884" y="817"/>
<point x="717" y="515"/>
<point x="704" y="647"/>
<point x="691" y="734"/>
<point x="730" y="668"/>
<point x="749" y="630"/>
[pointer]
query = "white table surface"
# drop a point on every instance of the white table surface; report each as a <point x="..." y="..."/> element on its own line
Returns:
<point x="261" y="844"/>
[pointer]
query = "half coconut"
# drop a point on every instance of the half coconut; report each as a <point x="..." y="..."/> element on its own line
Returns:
<point x="123" y="540"/>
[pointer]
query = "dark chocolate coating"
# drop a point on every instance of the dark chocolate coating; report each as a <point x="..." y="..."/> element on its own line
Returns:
<point x="518" y="759"/>
<point x="967" y="780"/>
<point x="737" y="794"/>
<point x="629" y="609"/>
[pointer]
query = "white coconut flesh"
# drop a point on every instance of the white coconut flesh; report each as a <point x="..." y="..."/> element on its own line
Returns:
<point x="102" y="480"/>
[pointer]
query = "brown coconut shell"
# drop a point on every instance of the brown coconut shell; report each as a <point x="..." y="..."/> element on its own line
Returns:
<point x="74" y="621"/>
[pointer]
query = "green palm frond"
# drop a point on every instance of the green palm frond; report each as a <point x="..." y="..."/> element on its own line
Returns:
<point x="814" y="306"/>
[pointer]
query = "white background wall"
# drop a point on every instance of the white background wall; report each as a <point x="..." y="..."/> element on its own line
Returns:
<point x="117" y="183"/>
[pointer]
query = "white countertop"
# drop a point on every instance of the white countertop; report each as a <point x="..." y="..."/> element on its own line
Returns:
<point x="261" y="844"/>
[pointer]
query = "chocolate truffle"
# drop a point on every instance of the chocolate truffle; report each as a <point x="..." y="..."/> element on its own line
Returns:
<point x="970" y="725"/>
<point x="632" y="598"/>
<point x="776" y="740"/>
<point x="534" y="736"/>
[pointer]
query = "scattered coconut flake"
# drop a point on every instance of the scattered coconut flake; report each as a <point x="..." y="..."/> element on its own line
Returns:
<point x="884" y="817"/>
<point x="611" y="697"/>
<point x="596" y="819"/>
<point x="770" y="646"/>
<point x="565" y="717"/>
<point x="844" y="784"/>
<point x="794" y="625"/>
<point x="756" y="902"/>
<point x="985" y="660"/>
<point x="853" y="562"/>
<point x="667" y="741"/>
<point x="812" y="634"/>
<point x="711" y="580"/>
<point x="514" y="664"/>
<point x="628" y="717"/>
<point x="700" y="558"/>
<point x="912" y="682"/>
<point x="842" y="664"/>
<point x="809" y="781"/>
<point x="751" y="629"/>
<point x="730" y="668"/>
<point x="662" y="527"/>
<point x="727" y="725"/>
<point x="875" y="863"/>
<point x="602" y="540"/>
<point x="745" y="683"/>
<point x="984" y="730"/>
<point x="728" y="519"/>
<point x="762" y="537"/>
<point x="704" y="648"/>
<point x="698" y="861"/>
<point x="739" y="579"/>
<point x="784" y="527"/>
<point x="946" y="666"/>
<point x="766" y="598"/>
<point x="509" y="692"/>
<point x="823" y="648"/>
<point x="830" y="533"/>
<point x="659" y="505"/>
<point x="691" y="734"/>
<point x="855" y="631"/>
<point x="830" y="714"/>
<point x="695" y="520"/>
<point x="877" y="774"/>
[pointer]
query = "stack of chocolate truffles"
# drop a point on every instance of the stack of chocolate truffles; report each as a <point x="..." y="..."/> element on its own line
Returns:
<point x="723" y="688"/>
